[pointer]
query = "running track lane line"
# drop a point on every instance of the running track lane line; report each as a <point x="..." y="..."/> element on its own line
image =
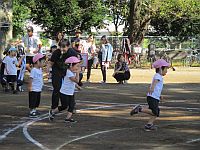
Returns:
<point x="3" y="136"/>
<point x="90" y="135"/>
<point x="32" y="140"/>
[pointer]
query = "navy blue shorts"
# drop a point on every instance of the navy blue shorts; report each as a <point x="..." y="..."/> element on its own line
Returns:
<point x="153" y="105"/>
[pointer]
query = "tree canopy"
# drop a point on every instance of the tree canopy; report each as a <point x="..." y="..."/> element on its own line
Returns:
<point x="168" y="17"/>
<point x="178" y="18"/>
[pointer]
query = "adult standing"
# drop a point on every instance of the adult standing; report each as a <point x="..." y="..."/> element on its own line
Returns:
<point x="58" y="69"/>
<point x="78" y="45"/>
<point x="105" y="56"/>
<point x="75" y="41"/>
<point x="91" y="48"/>
<point x="59" y="38"/>
<point x="32" y="45"/>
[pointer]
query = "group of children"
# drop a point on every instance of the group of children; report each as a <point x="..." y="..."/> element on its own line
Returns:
<point x="9" y="69"/>
<point x="71" y="79"/>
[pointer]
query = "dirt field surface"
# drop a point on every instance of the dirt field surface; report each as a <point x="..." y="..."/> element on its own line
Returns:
<point x="104" y="122"/>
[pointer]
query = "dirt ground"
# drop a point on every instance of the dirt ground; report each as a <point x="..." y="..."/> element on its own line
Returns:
<point x="103" y="116"/>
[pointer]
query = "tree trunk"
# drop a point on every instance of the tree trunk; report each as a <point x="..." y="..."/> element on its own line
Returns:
<point x="5" y="20"/>
<point x="137" y="24"/>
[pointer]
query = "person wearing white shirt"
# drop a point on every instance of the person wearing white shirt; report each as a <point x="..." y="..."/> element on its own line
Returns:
<point x="10" y="70"/>
<point x="153" y="95"/>
<point x="32" y="45"/>
<point x="35" y="84"/>
<point x="67" y="89"/>
<point x="90" y="47"/>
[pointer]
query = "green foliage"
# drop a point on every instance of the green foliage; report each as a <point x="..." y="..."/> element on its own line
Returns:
<point x="67" y="15"/>
<point x="20" y="14"/>
<point x="118" y="12"/>
<point x="179" y="18"/>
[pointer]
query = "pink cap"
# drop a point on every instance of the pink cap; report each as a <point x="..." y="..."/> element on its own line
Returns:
<point x="71" y="60"/>
<point x="37" y="57"/>
<point x="159" y="63"/>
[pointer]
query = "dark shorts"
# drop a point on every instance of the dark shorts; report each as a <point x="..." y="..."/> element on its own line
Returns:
<point x="34" y="99"/>
<point x="29" y="60"/>
<point x="67" y="101"/>
<point x="11" y="78"/>
<point x="153" y="105"/>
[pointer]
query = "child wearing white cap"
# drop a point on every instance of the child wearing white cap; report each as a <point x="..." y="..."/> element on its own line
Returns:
<point x="10" y="71"/>
<point x="153" y="95"/>
<point x="35" y="84"/>
<point x="71" y="80"/>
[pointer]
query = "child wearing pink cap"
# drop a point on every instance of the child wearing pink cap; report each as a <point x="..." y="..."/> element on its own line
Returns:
<point x="153" y="95"/>
<point x="71" y="80"/>
<point x="35" y="84"/>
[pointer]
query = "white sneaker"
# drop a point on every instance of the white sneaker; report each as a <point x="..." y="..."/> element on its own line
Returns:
<point x="125" y="82"/>
<point x="103" y="82"/>
<point x="88" y="81"/>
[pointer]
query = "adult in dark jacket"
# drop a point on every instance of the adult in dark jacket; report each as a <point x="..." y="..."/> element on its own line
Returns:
<point x="58" y="71"/>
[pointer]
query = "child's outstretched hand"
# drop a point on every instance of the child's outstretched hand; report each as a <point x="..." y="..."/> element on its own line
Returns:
<point x="78" y="87"/>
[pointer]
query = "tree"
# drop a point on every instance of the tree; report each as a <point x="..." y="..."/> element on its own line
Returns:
<point x="118" y="11"/>
<point x="67" y="15"/>
<point x="178" y="18"/>
<point x="20" y="15"/>
<point x="140" y="14"/>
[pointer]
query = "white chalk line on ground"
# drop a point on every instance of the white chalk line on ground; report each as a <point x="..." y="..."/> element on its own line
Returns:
<point x="90" y="135"/>
<point x="28" y="136"/>
<point x="3" y="136"/>
<point x="166" y="107"/>
<point x="193" y="141"/>
<point x="23" y="124"/>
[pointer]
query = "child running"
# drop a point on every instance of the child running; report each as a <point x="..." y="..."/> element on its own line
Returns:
<point x="153" y="95"/>
<point x="71" y="80"/>
<point x="35" y="84"/>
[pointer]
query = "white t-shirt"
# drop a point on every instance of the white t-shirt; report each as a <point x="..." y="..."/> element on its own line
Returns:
<point x="37" y="82"/>
<point x="90" y="49"/>
<point x="31" y="44"/>
<point x="10" y="65"/>
<point x="68" y="86"/>
<point x="158" y="87"/>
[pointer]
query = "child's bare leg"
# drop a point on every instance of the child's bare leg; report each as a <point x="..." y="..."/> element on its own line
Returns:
<point x="15" y="86"/>
<point x="152" y="119"/>
<point x="147" y="111"/>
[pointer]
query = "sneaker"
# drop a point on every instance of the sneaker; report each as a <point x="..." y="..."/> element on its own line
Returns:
<point x="15" y="92"/>
<point x="51" y="115"/>
<point x="150" y="127"/>
<point x="125" y="82"/>
<point x="88" y="81"/>
<point x="70" y="120"/>
<point x="7" y="90"/>
<point x="135" y="110"/>
<point x="38" y="113"/>
<point x="33" y="114"/>
<point x="103" y="82"/>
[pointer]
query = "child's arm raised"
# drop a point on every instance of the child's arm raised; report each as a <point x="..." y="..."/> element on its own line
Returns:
<point x="151" y="88"/>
